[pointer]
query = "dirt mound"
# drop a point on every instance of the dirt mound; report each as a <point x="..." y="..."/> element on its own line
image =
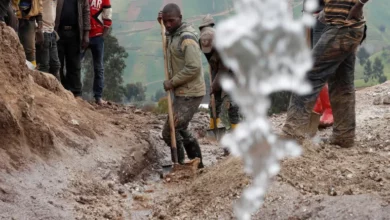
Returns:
<point x="61" y="157"/>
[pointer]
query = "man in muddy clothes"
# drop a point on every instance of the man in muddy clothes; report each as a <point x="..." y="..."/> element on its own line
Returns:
<point x="186" y="79"/>
<point x="334" y="62"/>
<point x="218" y="69"/>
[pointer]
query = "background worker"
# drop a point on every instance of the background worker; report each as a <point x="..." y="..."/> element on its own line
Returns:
<point x="29" y="13"/>
<point x="218" y="69"/>
<point x="47" y="53"/>
<point x="101" y="14"/>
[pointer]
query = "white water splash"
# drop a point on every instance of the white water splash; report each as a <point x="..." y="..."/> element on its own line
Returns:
<point x="267" y="51"/>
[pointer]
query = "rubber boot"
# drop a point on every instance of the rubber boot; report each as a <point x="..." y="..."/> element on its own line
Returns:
<point x="193" y="150"/>
<point x="318" y="106"/>
<point x="212" y="123"/>
<point x="34" y="63"/>
<point x="327" y="114"/>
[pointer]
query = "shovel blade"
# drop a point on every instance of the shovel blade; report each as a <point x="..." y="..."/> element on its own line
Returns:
<point x="216" y="134"/>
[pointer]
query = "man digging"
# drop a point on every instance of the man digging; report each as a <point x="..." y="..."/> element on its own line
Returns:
<point x="218" y="69"/>
<point x="334" y="62"/>
<point x="186" y="79"/>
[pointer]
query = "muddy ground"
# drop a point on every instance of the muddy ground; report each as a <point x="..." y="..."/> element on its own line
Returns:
<point x="63" y="158"/>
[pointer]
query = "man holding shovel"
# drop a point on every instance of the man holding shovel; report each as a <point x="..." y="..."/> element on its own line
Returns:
<point x="186" y="80"/>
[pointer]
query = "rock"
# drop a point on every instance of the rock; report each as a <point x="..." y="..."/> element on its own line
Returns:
<point x="108" y="216"/>
<point x="86" y="200"/>
<point x="349" y="176"/>
<point x="74" y="122"/>
<point x="377" y="101"/>
<point x="121" y="191"/>
<point x="138" y="112"/>
<point x="111" y="184"/>
<point x="386" y="100"/>
<point x="332" y="191"/>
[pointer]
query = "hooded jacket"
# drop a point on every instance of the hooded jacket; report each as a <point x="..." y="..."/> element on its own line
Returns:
<point x="185" y="62"/>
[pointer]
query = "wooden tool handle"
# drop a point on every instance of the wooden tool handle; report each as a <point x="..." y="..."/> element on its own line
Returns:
<point x="170" y="110"/>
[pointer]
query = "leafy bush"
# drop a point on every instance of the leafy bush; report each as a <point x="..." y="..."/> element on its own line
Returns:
<point x="162" y="106"/>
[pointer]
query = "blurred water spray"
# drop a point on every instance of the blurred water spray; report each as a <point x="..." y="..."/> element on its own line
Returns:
<point x="268" y="53"/>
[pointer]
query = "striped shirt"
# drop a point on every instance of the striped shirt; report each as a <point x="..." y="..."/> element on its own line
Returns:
<point x="337" y="11"/>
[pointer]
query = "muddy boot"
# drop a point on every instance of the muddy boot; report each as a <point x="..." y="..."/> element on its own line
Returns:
<point x="193" y="150"/>
<point x="343" y="143"/>
<point x="180" y="153"/>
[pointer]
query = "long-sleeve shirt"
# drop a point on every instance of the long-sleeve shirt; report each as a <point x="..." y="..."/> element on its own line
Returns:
<point x="101" y="16"/>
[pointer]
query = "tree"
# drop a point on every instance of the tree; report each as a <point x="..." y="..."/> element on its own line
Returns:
<point x="114" y="65"/>
<point x="377" y="70"/>
<point x="159" y="94"/>
<point x="135" y="92"/>
<point x="368" y="71"/>
<point x="363" y="55"/>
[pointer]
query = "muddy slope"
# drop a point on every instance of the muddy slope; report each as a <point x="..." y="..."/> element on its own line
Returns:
<point x="61" y="157"/>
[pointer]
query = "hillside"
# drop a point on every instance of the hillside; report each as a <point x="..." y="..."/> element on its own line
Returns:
<point x="137" y="30"/>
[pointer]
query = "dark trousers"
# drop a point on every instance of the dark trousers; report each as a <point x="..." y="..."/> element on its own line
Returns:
<point x="233" y="109"/>
<point x="47" y="55"/>
<point x="69" y="53"/>
<point x="27" y="38"/>
<point x="96" y="44"/>
<point x="184" y="109"/>
<point x="334" y="62"/>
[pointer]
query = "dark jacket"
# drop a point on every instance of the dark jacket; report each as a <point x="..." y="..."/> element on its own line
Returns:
<point x="84" y="13"/>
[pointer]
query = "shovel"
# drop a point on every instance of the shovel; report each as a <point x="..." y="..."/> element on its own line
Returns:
<point x="170" y="110"/>
<point x="193" y="164"/>
<point x="216" y="132"/>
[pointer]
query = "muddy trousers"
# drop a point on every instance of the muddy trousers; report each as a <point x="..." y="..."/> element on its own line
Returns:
<point x="334" y="61"/>
<point x="184" y="109"/>
<point x="233" y="109"/>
